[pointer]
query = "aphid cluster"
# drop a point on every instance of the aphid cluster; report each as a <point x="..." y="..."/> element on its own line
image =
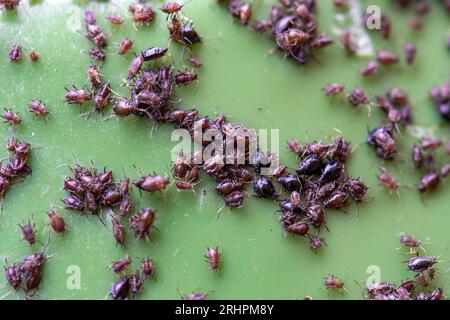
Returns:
<point x="17" y="166"/>
<point x="130" y="284"/>
<point x="416" y="288"/>
<point x="423" y="158"/>
<point x="181" y="29"/>
<point x="96" y="35"/>
<point x="396" y="106"/>
<point x="292" y="24"/>
<point x="27" y="273"/>
<point x="320" y="183"/>
<point x="441" y="98"/>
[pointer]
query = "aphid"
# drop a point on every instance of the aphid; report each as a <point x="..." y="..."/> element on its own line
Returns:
<point x="141" y="13"/>
<point x="90" y="17"/>
<point x="147" y="267"/>
<point x="422" y="7"/>
<point x="295" y="198"/>
<point x="332" y="282"/>
<point x="445" y="170"/>
<point x="74" y="203"/>
<point x="420" y="264"/>
<point x="333" y="89"/>
<point x="94" y="76"/>
<point x="310" y="165"/>
<point x="136" y="284"/>
<point x="357" y="97"/>
<point x="151" y="183"/>
<point x="417" y="157"/>
<point x="12" y="118"/>
<point x="350" y="46"/>
<point x="316" y="214"/>
<point x="436" y="294"/>
<point x="195" y="61"/>
<point x="264" y="188"/>
<point x="4" y="183"/>
<point x="290" y="182"/>
<point x="153" y="53"/>
<point x="422" y="279"/>
<point x="213" y="258"/>
<point x="337" y="200"/>
<point x="38" y="108"/>
<point x="135" y="66"/>
<point x="409" y="241"/>
<point x="185" y="78"/>
<point x="195" y="296"/>
<point x="15" y="53"/>
<point x="214" y="164"/>
<point x="387" y="180"/>
<point x="115" y="19"/>
<point x="189" y="35"/>
<point x="57" y="222"/>
<point x="356" y="188"/>
<point x="28" y="232"/>
<point x="171" y="7"/>
<point x="97" y="54"/>
<point x="410" y="53"/>
<point x="183" y="185"/>
<point x="102" y="96"/>
<point x="385" y="26"/>
<point x="261" y="26"/>
<point x="322" y="42"/>
<point x="77" y="96"/>
<point x="415" y="25"/>
<point x="111" y="197"/>
<point x="429" y="181"/>
<point x="331" y="171"/>
<point x="383" y="141"/>
<point x="430" y="144"/>
<point x="120" y="265"/>
<point x="370" y="69"/>
<point x="91" y="202"/>
<point x="125" y="46"/>
<point x="142" y="221"/>
<point x="120" y="289"/>
<point x="316" y="242"/>
<point x="118" y="231"/>
<point x="299" y="228"/>
<point x="13" y="276"/>
<point x="245" y="13"/>
<point x="235" y="199"/>
<point x="11" y="144"/>
<point x="386" y="57"/>
<point x="34" y="56"/>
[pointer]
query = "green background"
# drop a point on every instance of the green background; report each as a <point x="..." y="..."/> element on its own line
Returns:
<point x="242" y="80"/>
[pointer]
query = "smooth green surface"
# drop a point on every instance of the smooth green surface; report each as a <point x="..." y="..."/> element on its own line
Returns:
<point x="242" y="80"/>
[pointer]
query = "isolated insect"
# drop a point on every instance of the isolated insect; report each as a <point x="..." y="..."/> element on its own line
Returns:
<point x="38" y="108"/>
<point x="97" y="54"/>
<point x="142" y="221"/>
<point x="125" y="46"/>
<point x="386" y="57"/>
<point x="15" y="53"/>
<point x="77" y="96"/>
<point x="429" y="181"/>
<point x="147" y="267"/>
<point x="151" y="183"/>
<point x="410" y="53"/>
<point x="185" y="78"/>
<point x="11" y="117"/>
<point x="120" y="290"/>
<point x="115" y="19"/>
<point x="120" y="265"/>
<point x="357" y="97"/>
<point x="370" y="69"/>
<point x="387" y="180"/>
<point x="409" y="241"/>
<point x="57" y="222"/>
<point x="195" y="61"/>
<point x="420" y="264"/>
<point x="118" y="231"/>
<point x="213" y="257"/>
<point x="34" y="56"/>
<point x="171" y="7"/>
<point x="332" y="282"/>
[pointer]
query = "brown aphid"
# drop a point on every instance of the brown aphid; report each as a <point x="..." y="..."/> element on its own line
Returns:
<point x="13" y="276"/>
<point x="57" y="222"/>
<point x="410" y="53"/>
<point x="147" y="267"/>
<point x="235" y="199"/>
<point x="4" y="184"/>
<point x="120" y="265"/>
<point x="115" y="19"/>
<point x="339" y="3"/>
<point x="430" y="144"/>
<point x="415" y="25"/>
<point x="184" y="185"/>
<point x="171" y="7"/>
<point x="141" y="13"/>
<point x="333" y="89"/>
<point x="97" y="54"/>
<point x="38" y="108"/>
<point x="125" y="206"/>
<point x="322" y="42"/>
<point x="34" y="56"/>
<point x="151" y="183"/>
<point x="135" y="66"/>
<point x="125" y="46"/>
<point x="417" y="157"/>
<point x="350" y="46"/>
<point x="102" y="97"/>
<point x="445" y="170"/>
<point x="382" y="139"/>
<point x="28" y="232"/>
<point x="337" y="200"/>
<point x="94" y="76"/>
<point x="358" y="97"/>
<point x="370" y="69"/>
<point x="422" y="7"/>
<point x="386" y="57"/>
<point x="195" y="61"/>
<point x="185" y="78"/>
<point x="142" y="221"/>
<point x="299" y="228"/>
<point x="316" y="242"/>
<point x="96" y="35"/>
<point x="136" y="283"/>
<point x="387" y="180"/>
<point x="73" y="202"/>
<point x="15" y="53"/>
<point x="429" y="182"/>
<point x="12" y="118"/>
<point x="195" y="296"/>
<point x="294" y="146"/>
<point x="213" y="258"/>
<point x="77" y="96"/>
<point x="332" y="282"/>
<point x="409" y="241"/>
<point x="118" y="231"/>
